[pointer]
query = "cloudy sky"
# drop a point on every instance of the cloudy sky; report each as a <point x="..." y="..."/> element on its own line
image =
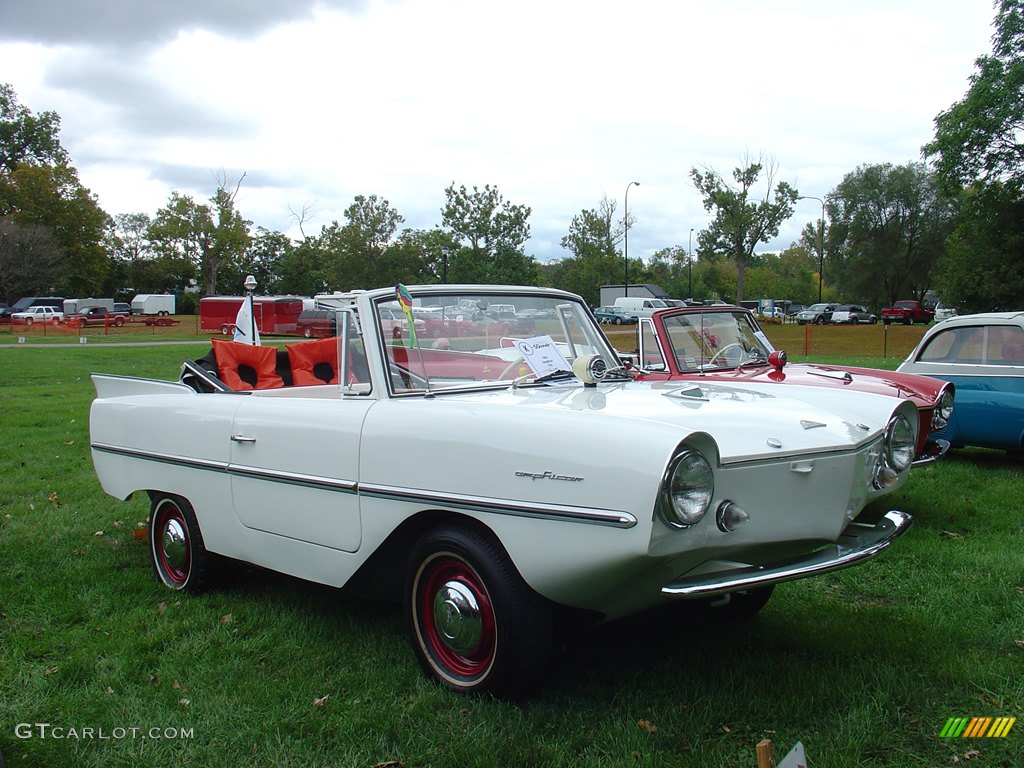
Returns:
<point x="556" y="102"/>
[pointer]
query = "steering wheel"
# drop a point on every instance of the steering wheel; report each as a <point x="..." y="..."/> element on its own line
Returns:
<point x="725" y="349"/>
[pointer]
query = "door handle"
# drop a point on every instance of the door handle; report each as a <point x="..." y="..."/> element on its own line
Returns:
<point x="242" y="439"/>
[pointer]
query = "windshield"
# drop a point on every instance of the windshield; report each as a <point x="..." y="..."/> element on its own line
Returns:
<point x="468" y="339"/>
<point x="715" y="340"/>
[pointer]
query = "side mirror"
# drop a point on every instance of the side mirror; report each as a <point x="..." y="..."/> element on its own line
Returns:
<point x="777" y="359"/>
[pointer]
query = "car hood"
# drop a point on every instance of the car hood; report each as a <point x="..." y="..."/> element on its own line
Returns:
<point x="922" y="390"/>
<point x="747" y="422"/>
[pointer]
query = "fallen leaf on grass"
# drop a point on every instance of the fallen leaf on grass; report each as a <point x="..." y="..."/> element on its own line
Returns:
<point x="55" y="499"/>
<point x="176" y="685"/>
<point x="50" y="671"/>
<point x="952" y="535"/>
<point x="185" y="703"/>
<point x="98" y="533"/>
<point x="647" y="725"/>
<point x="162" y="607"/>
<point x="321" y="701"/>
<point x="390" y="764"/>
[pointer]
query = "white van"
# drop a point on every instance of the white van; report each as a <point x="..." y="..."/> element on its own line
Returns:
<point x="640" y="306"/>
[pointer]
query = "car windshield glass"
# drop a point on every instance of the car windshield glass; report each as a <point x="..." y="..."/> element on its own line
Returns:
<point x="715" y="340"/>
<point x="471" y="339"/>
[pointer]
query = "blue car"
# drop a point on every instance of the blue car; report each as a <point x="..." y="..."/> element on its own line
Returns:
<point x="614" y="315"/>
<point x="983" y="355"/>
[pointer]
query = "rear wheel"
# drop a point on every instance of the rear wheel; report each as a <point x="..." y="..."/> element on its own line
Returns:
<point x="618" y="321"/>
<point x="176" y="545"/>
<point x="475" y="625"/>
<point x="819" y="320"/>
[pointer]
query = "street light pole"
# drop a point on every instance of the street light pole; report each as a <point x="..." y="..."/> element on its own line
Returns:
<point x="444" y="264"/>
<point x="689" y="266"/>
<point x="625" y="240"/>
<point x="821" y="241"/>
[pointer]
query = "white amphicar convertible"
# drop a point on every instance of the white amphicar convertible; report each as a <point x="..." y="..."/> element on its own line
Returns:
<point x="480" y="453"/>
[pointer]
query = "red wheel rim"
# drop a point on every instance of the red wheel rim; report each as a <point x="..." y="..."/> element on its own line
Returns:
<point x="170" y="534"/>
<point x="456" y="618"/>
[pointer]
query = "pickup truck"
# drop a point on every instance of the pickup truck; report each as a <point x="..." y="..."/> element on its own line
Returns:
<point x="906" y="312"/>
<point x="94" y="316"/>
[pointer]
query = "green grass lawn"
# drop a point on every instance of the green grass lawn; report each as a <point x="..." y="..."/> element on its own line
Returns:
<point x="864" y="666"/>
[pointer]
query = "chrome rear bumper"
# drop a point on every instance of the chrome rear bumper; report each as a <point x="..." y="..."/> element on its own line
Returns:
<point x="859" y="542"/>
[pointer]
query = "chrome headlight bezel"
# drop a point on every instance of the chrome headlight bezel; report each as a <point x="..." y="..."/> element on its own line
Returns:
<point x="943" y="410"/>
<point x="900" y="443"/>
<point x="687" y="489"/>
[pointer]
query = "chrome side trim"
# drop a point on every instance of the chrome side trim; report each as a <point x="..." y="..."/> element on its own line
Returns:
<point x="610" y="517"/>
<point x="859" y="542"/>
<point x="163" y="458"/>
<point x="239" y="470"/>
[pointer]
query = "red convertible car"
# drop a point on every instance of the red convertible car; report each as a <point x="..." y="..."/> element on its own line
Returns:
<point x="725" y="343"/>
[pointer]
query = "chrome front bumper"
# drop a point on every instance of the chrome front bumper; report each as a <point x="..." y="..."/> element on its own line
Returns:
<point x="933" y="449"/>
<point x="859" y="542"/>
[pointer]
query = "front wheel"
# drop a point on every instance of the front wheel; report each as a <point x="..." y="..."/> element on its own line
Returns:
<point x="819" y="320"/>
<point x="176" y="545"/>
<point x="475" y="625"/>
<point x="618" y="321"/>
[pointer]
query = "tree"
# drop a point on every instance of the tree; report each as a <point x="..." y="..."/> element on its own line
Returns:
<point x="39" y="188"/>
<point x="887" y="232"/>
<point x="494" y="231"/>
<point x="52" y="197"/>
<point x="978" y="139"/>
<point x="31" y="261"/>
<point x="978" y="156"/>
<point x="742" y="222"/>
<point x="201" y="236"/>
<point x="26" y="138"/>
<point x="592" y="239"/>
<point x="372" y="224"/>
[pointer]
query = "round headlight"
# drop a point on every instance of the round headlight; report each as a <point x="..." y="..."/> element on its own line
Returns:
<point x="900" y="443"/>
<point x="688" y="488"/>
<point x="943" y="411"/>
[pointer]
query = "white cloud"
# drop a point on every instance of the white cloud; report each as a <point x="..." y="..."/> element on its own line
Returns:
<point x="556" y="104"/>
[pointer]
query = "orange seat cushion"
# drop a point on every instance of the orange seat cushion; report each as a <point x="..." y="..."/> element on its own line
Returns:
<point x="244" y="366"/>
<point x="311" y="358"/>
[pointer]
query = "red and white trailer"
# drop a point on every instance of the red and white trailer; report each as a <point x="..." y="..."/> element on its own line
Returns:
<point x="275" y="315"/>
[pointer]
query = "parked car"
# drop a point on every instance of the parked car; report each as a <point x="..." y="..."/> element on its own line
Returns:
<point x="122" y="308"/>
<point x="33" y="315"/>
<point x="31" y="301"/>
<point x="316" y="323"/>
<point x="851" y="314"/>
<point x="474" y="485"/>
<point x="944" y="311"/>
<point x="614" y="315"/>
<point x="94" y="316"/>
<point x="819" y="314"/>
<point x="907" y="312"/>
<point x="726" y="344"/>
<point x="983" y="355"/>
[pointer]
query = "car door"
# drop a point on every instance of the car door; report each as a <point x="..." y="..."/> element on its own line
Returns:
<point x="295" y="467"/>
